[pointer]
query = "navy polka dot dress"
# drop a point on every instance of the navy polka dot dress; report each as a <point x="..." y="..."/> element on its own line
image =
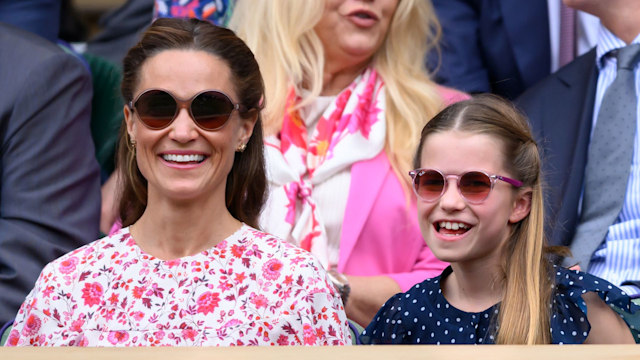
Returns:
<point x="422" y="315"/>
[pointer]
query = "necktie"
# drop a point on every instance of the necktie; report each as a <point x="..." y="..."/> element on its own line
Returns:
<point x="567" y="49"/>
<point x="609" y="159"/>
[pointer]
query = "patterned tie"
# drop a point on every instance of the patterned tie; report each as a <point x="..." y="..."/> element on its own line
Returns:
<point x="567" y="49"/>
<point x="609" y="159"/>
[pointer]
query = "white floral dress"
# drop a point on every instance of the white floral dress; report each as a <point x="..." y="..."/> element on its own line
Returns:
<point x="250" y="289"/>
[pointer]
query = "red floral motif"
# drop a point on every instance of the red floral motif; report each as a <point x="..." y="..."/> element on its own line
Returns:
<point x="92" y="293"/>
<point x="32" y="325"/>
<point x="271" y="270"/>
<point x="309" y="335"/>
<point x="208" y="302"/>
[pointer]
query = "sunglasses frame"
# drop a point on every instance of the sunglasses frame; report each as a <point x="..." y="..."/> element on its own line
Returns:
<point x="415" y="174"/>
<point x="186" y="104"/>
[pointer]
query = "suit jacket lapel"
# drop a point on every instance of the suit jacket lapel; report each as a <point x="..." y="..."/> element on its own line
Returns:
<point x="568" y="129"/>
<point x="367" y="178"/>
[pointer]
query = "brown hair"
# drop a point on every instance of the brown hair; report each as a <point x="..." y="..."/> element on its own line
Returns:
<point x="524" y="311"/>
<point x="246" y="183"/>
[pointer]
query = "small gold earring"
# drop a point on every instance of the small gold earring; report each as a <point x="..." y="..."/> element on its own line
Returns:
<point x="241" y="147"/>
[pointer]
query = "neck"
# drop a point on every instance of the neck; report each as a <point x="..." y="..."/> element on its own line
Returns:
<point x="171" y="229"/>
<point x="473" y="287"/>
<point x="338" y="76"/>
<point x="621" y="20"/>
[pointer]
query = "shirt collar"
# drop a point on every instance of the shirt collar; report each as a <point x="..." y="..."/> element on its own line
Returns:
<point x="607" y="42"/>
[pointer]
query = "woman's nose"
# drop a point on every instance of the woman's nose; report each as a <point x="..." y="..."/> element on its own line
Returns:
<point x="183" y="127"/>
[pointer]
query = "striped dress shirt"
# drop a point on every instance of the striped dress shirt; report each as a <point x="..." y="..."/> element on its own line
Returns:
<point x="618" y="257"/>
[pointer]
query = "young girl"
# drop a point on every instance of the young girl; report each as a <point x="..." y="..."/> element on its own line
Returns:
<point x="480" y="208"/>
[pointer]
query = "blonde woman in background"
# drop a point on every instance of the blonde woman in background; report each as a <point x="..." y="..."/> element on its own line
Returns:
<point x="346" y="97"/>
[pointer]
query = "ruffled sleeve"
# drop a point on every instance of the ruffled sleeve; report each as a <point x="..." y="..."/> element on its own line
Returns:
<point x="386" y="327"/>
<point x="569" y="324"/>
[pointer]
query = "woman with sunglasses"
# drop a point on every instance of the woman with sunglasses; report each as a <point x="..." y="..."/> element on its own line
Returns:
<point x="480" y="208"/>
<point x="189" y="266"/>
<point x="347" y="94"/>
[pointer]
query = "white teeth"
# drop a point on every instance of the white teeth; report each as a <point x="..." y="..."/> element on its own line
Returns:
<point x="183" y="158"/>
<point x="453" y="225"/>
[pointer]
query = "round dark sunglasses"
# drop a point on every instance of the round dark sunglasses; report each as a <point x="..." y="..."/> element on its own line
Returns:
<point x="474" y="186"/>
<point x="209" y="109"/>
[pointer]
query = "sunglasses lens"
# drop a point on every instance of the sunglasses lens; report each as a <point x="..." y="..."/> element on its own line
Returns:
<point x="428" y="185"/>
<point x="156" y="109"/>
<point x="211" y="109"/>
<point x="475" y="186"/>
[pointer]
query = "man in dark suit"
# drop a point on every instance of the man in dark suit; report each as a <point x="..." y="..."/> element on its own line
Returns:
<point x="49" y="177"/>
<point x="498" y="46"/>
<point x="563" y="110"/>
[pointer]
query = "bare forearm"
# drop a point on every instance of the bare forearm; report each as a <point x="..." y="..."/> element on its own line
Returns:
<point x="368" y="293"/>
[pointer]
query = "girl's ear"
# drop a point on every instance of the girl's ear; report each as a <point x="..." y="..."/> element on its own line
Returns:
<point x="521" y="205"/>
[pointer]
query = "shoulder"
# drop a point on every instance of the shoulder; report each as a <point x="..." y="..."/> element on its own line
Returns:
<point x="288" y="258"/>
<point x="71" y="264"/>
<point x="580" y="299"/>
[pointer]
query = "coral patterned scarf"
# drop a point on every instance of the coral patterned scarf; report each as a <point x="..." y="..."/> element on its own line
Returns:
<point x="351" y="129"/>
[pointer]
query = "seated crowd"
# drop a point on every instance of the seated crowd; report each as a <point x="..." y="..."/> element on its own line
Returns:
<point x="301" y="179"/>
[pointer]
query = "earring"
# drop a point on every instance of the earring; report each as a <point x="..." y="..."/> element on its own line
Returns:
<point x="241" y="147"/>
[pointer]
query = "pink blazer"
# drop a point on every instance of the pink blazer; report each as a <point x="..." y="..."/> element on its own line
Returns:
<point x="380" y="232"/>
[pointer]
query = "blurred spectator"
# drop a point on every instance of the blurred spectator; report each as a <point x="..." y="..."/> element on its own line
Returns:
<point x="49" y="179"/>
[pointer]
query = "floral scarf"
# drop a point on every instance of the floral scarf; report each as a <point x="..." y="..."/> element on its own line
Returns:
<point x="351" y="129"/>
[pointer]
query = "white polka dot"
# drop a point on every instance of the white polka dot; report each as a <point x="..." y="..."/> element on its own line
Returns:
<point x="406" y="313"/>
<point x="415" y="320"/>
<point x="453" y="341"/>
<point x="460" y="329"/>
<point x="393" y="336"/>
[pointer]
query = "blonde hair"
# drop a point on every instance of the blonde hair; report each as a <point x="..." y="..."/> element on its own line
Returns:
<point x="281" y="35"/>
<point x="525" y="270"/>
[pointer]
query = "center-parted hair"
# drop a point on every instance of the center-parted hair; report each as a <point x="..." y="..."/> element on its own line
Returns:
<point x="246" y="183"/>
<point x="524" y="311"/>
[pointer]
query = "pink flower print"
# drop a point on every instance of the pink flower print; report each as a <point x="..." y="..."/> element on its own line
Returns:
<point x="76" y="325"/>
<point x="293" y="131"/>
<point x="92" y="294"/>
<point x="159" y="334"/>
<point x="291" y="190"/>
<point x="271" y="270"/>
<point x="117" y="337"/>
<point x="13" y="338"/>
<point x="208" y="302"/>
<point x="31" y="325"/>
<point x="189" y="334"/>
<point x="137" y="315"/>
<point x="68" y="265"/>
<point x="260" y="301"/>
<point x="172" y="263"/>
<point x="309" y="335"/>
<point x="47" y="291"/>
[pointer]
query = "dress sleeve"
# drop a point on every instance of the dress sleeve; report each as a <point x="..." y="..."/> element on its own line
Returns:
<point x="38" y="320"/>
<point x="313" y="313"/>
<point x="569" y="322"/>
<point x="386" y="327"/>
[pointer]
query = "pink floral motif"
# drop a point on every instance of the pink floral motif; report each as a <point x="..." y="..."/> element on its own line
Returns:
<point x="130" y="298"/>
<point x="260" y="301"/>
<point x="92" y="293"/>
<point x="271" y="270"/>
<point x="118" y="337"/>
<point x="208" y="302"/>
<point x="68" y="265"/>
